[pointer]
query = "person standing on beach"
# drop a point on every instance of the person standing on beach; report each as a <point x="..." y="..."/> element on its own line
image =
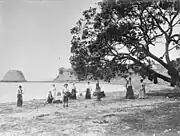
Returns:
<point x="65" y="94"/>
<point x="129" y="92"/>
<point x="19" y="97"/>
<point x="73" y="92"/>
<point x="53" y="90"/>
<point x="88" y="91"/>
<point x="98" y="91"/>
<point x="142" y="90"/>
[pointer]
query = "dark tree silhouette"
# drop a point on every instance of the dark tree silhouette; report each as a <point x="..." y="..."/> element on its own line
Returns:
<point x="115" y="37"/>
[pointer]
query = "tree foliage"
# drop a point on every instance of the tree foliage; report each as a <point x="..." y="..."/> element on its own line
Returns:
<point x="115" y="39"/>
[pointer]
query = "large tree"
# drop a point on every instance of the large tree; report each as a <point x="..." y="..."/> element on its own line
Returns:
<point x="115" y="37"/>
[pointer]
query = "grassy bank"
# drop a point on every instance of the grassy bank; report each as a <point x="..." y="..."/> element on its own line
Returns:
<point x="156" y="115"/>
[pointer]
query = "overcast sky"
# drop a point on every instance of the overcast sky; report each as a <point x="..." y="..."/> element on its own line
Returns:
<point x="35" y="33"/>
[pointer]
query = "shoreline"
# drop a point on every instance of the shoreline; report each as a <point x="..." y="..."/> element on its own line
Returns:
<point x="81" y="82"/>
<point x="114" y="116"/>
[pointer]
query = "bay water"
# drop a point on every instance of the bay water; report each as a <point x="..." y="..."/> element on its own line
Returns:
<point x="39" y="90"/>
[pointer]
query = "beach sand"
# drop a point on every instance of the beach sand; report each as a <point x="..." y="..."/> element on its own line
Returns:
<point x="113" y="116"/>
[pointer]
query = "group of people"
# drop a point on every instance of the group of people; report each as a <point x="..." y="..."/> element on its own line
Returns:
<point x="61" y="97"/>
<point x="99" y="93"/>
<point x="65" y="94"/>
<point x="129" y="88"/>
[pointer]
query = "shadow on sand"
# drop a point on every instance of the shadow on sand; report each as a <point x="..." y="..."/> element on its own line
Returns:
<point x="170" y="93"/>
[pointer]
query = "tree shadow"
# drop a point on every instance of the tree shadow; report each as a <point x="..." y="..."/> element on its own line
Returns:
<point x="170" y="93"/>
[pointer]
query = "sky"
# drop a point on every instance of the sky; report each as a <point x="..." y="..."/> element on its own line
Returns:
<point x="34" y="34"/>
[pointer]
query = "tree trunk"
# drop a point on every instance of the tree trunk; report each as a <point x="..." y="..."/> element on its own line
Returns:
<point x="174" y="78"/>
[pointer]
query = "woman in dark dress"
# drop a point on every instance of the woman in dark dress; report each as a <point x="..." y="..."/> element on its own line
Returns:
<point x="88" y="91"/>
<point x="129" y="92"/>
<point x="73" y="92"/>
<point x="19" y="97"/>
<point x="98" y="91"/>
<point x="50" y="97"/>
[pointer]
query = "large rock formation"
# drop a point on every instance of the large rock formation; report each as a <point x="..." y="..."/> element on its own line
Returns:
<point x="14" y="76"/>
<point x="66" y="75"/>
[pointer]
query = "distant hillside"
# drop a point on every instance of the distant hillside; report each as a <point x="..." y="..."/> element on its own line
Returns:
<point x="68" y="75"/>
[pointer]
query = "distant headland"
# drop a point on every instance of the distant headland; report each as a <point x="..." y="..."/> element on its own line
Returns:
<point x="14" y="76"/>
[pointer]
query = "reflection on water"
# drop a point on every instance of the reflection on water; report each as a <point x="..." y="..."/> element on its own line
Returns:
<point x="33" y="90"/>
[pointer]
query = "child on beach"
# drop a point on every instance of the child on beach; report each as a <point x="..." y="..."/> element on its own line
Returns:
<point x="19" y="97"/>
<point x="59" y="98"/>
<point x="50" y="98"/>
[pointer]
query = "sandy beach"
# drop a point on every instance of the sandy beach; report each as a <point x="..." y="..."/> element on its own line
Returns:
<point x="156" y="115"/>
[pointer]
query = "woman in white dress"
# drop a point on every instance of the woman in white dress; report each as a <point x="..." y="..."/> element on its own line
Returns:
<point x="53" y="90"/>
<point x="142" y="90"/>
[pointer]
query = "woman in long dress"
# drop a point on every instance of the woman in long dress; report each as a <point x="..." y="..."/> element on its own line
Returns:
<point x="19" y="97"/>
<point x="142" y="90"/>
<point x="53" y="91"/>
<point x="88" y="91"/>
<point x="73" y="92"/>
<point x="129" y="92"/>
<point x="98" y="91"/>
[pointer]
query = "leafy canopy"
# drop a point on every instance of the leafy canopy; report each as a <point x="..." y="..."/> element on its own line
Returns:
<point x="115" y="39"/>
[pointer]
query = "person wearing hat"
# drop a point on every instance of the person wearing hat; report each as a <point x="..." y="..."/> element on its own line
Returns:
<point x="19" y="96"/>
<point x="65" y="93"/>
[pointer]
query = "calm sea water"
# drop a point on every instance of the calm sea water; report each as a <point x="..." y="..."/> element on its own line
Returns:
<point x="8" y="91"/>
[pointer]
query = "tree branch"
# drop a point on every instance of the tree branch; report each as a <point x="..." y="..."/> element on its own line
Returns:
<point x="158" y="60"/>
<point x="169" y="51"/>
<point x="165" y="78"/>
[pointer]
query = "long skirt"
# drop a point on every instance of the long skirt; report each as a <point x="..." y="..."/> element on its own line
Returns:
<point x="142" y="94"/>
<point x="49" y="100"/>
<point x="129" y="93"/>
<point x="73" y="94"/>
<point x="19" y="100"/>
<point x="98" y="94"/>
<point x="88" y="94"/>
<point x="102" y="94"/>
